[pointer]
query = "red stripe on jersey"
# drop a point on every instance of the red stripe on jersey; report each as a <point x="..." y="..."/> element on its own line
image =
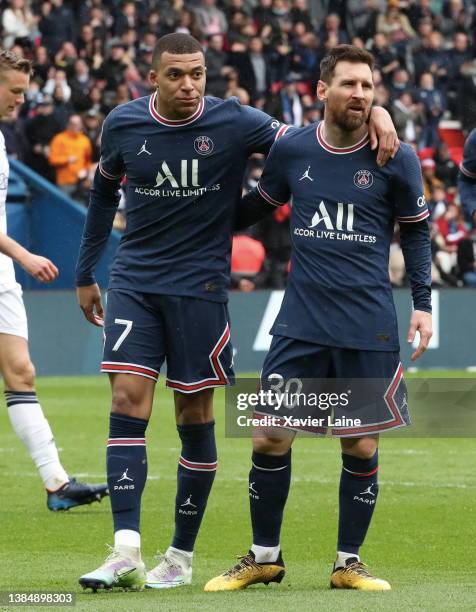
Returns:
<point x="268" y="198"/>
<point x="282" y="130"/>
<point x="111" y="177"/>
<point x="414" y="218"/>
<point x="174" y="122"/>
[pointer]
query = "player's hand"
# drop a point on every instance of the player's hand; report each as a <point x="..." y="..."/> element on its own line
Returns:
<point x="89" y="300"/>
<point x="420" y="322"/>
<point x="382" y="134"/>
<point x="41" y="268"/>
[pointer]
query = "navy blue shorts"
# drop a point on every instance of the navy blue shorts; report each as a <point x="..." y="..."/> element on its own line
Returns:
<point x="193" y="335"/>
<point x="354" y="385"/>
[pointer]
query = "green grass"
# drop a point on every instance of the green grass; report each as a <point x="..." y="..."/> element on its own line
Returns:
<point x="421" y="540"/>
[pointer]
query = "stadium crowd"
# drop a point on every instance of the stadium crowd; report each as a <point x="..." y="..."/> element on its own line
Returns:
<point x="93" y="55"/>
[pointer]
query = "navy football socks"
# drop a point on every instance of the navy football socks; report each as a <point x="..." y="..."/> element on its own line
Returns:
<point x="357" y="498"/>
<point x="126" y="469"/>
<point x="269" y="482"/>
<point x="195" y="476"/>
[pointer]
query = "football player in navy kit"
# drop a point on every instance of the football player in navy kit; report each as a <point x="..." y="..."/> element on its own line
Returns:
<point x="467" y="178"/>
<point x="337" y="319"/>
<point x="184" y="156"/>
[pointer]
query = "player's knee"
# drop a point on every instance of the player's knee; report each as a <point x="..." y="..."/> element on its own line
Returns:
<point x="19" y="375"/>
<point x="268" y="445"/>
<point x="363" y="448"/>
<point x="194" y="408"/>
<point x="124" y="401"/>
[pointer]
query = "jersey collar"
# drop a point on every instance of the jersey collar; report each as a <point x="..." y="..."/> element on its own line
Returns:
<point x="174" y="122"/>
<point x="339" y="150"/>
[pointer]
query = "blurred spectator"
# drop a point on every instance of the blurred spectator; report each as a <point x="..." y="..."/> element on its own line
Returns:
<point x="396" y="26"/>
<point x="451" y="227"/>
<point x="437" y="204"/>
<point x="386" y="58"/>
<point x="70" y="154"/>
<point x="210" y="19"/>
<point x="430" y="182"/>
<point x="41" y="64"/>
<point x="332" y="29"/>
<point x="218" y="68"/>
<point x="56" y="24"/>
<point x="362" y="17"/>
<point x="57" y="78"/>
<point x="421" y="11"/>
<point x="234" y="88"/>
<point x="92" y="122"/>
<point x="263" y="15"/>
<point x="306" y="57"/>
<point x="434" y="58"/>
<point x="434" y="104"/>
<point x="112" y="69"/>
<point x="456" y="17"/>
<point x="81" y="83"/>
<point x="446" y="169"/>
<point x="291" y="104"/>
<point x="65" y="58"/>
<point x="63" y="109"/>
<point x="407" y="117"/>
<point x="40" y="130"/>
<point x="300" y="13"/>
<point x="127" y="19"/>
<point x="18" y="23"/>
<point x="253" y="67"/>
<point x="400" y="82"/>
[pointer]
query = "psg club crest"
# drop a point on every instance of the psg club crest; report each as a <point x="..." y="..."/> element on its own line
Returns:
<point x="363" y="179"/>
<point x="203" y="145"/>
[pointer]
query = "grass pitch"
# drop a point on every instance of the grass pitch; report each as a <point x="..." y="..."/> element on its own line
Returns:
<point x="421" y="540"/>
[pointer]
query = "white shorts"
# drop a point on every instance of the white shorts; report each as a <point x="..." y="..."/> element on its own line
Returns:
<point x="12" y="313"/>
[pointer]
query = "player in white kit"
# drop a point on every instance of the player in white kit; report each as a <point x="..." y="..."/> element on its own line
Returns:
<point x="16" y="368"/>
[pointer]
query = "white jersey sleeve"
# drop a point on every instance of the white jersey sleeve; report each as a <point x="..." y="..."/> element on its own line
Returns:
<point x="7" y="272"/>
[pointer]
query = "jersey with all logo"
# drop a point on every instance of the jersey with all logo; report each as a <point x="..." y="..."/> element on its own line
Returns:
<point x="183" y="179"/>
<point x="467" y="178"/>
<point x="343" y="212"/>
<point x="7" y="272"/>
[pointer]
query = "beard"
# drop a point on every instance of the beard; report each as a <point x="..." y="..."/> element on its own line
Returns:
<point x="347" y="121"/>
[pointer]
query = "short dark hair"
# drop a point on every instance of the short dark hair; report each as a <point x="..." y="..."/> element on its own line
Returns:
<point x="177" y="44"/>
<point x="343" y="53"/>
<point x="12" y="61"/>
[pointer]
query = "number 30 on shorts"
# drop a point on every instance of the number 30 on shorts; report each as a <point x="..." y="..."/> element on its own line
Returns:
<point x="125" y="333"/>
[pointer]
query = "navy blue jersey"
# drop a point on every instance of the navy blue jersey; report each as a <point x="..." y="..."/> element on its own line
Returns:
<point x="344" y="208"/>
<point x="183" y="178"/>
<point x="468" y="164"/>
<point x="467" y="177"/>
